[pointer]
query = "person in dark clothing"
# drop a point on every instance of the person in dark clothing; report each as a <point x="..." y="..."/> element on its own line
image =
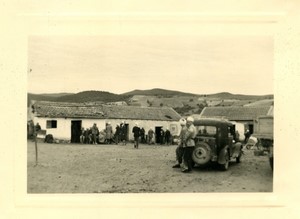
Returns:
<point x="167" y="136"/>
<point x="136" y="135"/>
<point x="95" y="132"/>
<point x="142" y="134"/>
<point x="123" y="134"/>
<point x="162" y="136"/>
<point x="117" y="134"/>
<point x="247" y="136"/>
<point x="37" y="128"/>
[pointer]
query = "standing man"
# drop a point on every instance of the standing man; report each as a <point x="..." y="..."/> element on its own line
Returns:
<point x="142" y="135"/>
<point x="167" y="136"/>
<point x="117" y="134"/>
<point x="190" y="145"/>
<point x="123" y="130"/>
<point x="109" y="133"/>
<point x="95" y="132"/>
<point x="37" y="128"/>
<point x="136" y="134"/>
<point x="150" y="136"/>
<point x="180" y="148"/>
<point x="247" y="136"/>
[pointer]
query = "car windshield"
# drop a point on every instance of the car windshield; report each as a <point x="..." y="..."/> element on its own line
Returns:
<point x="206" y="130"/>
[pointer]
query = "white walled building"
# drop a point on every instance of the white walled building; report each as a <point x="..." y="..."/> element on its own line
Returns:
<point x="65" y="120"/>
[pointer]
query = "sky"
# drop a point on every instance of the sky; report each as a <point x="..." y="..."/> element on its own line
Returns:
<point x="119" y="64"/>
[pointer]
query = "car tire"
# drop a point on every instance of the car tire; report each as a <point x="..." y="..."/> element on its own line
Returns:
<point x="225" y="166"/>
<point x="202" y="154"/>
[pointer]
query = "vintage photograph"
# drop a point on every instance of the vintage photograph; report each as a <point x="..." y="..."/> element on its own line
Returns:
<point x="150" y="114"/>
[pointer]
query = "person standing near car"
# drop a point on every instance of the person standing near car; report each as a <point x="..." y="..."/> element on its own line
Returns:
<point x="180" y="149"/>
<point x="189" y="145"/>
<point x="136" y="134"/>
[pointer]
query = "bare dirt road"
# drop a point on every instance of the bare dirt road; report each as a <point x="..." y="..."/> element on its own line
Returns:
<point x="75" y="168"/>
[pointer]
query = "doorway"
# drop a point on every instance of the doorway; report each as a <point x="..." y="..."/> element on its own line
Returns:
<point x="75" y="131"/>
<point x="251" y="128"/>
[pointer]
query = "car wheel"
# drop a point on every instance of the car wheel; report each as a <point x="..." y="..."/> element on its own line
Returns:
<point x="201" y="154"/>
<point x="226" y="164"/>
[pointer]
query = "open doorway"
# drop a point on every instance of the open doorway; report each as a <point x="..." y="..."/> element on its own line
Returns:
<point x="75" y="131"/>
<point x="157" y="134"/>
<point x="250" y="128"/>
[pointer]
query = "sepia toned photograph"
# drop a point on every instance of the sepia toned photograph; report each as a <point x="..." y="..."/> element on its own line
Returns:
<point x="149" y="109"/>
<point x="150" y="114"/>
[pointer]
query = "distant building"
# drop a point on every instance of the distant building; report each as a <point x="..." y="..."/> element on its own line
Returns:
<point x="244" y="115"/>
<point x="65" y="120"/>
<point x="118" y="103"/>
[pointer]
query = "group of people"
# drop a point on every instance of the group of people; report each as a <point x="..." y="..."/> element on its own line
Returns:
<point x="186" y="145"/>
<point x="165" y="136"/>
<point x="107" y="136"/>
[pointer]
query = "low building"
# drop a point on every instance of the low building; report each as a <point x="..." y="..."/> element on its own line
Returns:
<point x="65" y="120"/>
<point x="244" y="115"/>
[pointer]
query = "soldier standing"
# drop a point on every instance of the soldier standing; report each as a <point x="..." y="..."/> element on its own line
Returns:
<point x="136" y="134"/>
<point x="190" y="145"/>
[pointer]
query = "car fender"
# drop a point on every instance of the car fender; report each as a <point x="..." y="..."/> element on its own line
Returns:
<point x="222" y="154"/>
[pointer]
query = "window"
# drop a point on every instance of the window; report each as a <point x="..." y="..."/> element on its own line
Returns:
<point x="51" y="124"/>
<point x="206" y="130"/>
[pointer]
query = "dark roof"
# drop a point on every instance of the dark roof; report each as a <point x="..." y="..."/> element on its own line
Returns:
<point x="85" y="110"/>
<point x="235" y="113"/>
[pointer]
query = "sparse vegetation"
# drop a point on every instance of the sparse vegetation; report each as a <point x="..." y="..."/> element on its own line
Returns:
<point x="183" y="103"/>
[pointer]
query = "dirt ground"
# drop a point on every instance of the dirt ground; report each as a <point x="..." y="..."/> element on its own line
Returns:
<point x="76" y="168"/>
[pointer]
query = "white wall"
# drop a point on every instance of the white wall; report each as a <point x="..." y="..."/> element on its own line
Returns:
<point x="240" y="127"/>
<point x="63" y="130"/>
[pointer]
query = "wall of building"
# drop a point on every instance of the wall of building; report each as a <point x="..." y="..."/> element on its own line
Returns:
<point x="63" y="130"/>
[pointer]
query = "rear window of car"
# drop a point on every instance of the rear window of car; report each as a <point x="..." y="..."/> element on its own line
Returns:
<point x="206" y="130"/>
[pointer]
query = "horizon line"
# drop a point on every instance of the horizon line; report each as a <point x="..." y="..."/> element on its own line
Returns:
<point x="45" y="93"/>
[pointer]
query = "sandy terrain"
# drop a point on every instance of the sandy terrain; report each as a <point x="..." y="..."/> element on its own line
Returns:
<point x="75" y="168"/>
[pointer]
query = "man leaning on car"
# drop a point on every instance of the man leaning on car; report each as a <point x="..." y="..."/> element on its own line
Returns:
<point x="189" y="145"/>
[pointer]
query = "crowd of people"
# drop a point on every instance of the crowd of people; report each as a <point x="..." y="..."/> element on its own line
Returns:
<point x="109" y="135"/>
<point x="92" y="135"/>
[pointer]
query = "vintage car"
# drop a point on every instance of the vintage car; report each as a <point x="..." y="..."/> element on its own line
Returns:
<point x="215" y="143"/>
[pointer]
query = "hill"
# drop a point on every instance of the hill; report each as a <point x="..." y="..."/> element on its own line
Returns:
<point x="56" y="94"/>
<point x="226" y="95"/>
<point x="92" y="96"/>
<point x="39" y="97"/>
<point x="183" y="103"/>
<point x="158" y="92"/>
<point x="85" y="96"/>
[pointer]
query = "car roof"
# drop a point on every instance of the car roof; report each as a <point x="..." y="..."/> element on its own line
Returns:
<point x="213" y="122"/>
